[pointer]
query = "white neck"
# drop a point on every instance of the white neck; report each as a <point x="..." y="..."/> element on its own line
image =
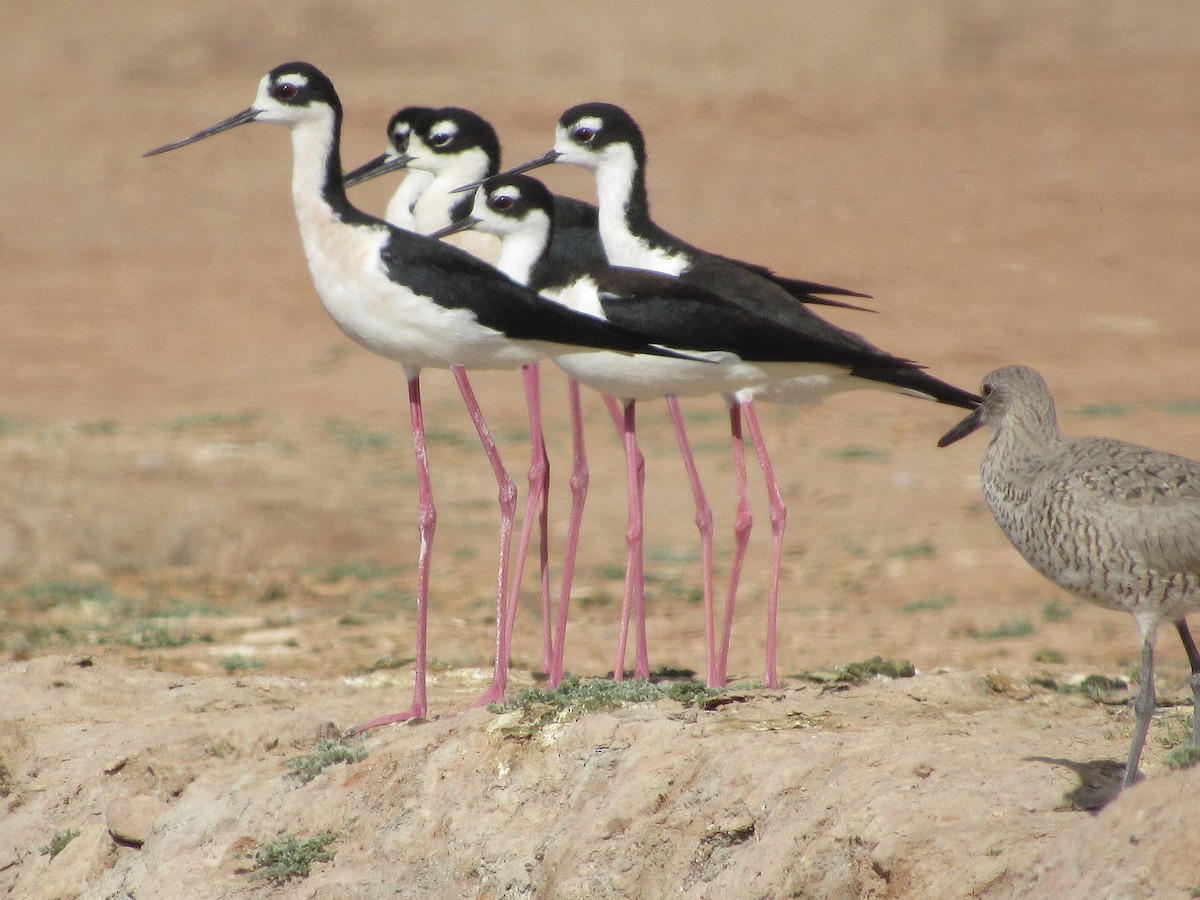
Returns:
<point x="520" y="250"/>
<point x="312" y="142"/>
<point x="614" y="186"/>
<point x="432" y="209"/>
<point x="400" y="207"/>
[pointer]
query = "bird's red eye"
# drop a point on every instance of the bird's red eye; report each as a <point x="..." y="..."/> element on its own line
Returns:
<point x="285" y="91"/>
<point x="583" y="134"/>
<point x="502" y="202"/>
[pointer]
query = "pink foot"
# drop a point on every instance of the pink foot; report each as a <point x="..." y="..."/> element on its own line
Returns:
<point x="416" y="713"/>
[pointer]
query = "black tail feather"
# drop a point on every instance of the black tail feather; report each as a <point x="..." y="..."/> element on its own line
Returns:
<point x="916" y="380"/>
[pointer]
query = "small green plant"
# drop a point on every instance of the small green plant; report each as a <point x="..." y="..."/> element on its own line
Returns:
<point x="59" y="842"/>
<point x="289" y="857"/>
<point x="1183" y="757"/>
<point x="1098" y="687"/>
<point x="384" y="664"/>
<point x="357" y="439"/>
<point x="601" y="598"/>
<point x="575" y="698"/>
<point x="1104" y="410"/>
<point x="236" y="662"/>
<point x="921" y="549"/>
<point x="690" y="693"/>
<point x="859" y="452"/>
<point x="445" y="437"/>
<point x="856" y="673"/>
<point x="938" y="601"/>
<point x="7" y="782"/>
<point x="673" y="587"/>
<point x="1176" y="730"/>
<point x="1049" y="656"/>
<point x="99" y="428"/>
<point x="1056" y="611"/>
<point x="343" y="750"/>
<point x="160" y="637"/>
<point x="392" y="598"/>
<point x="44" y="595"/>
<point x="1015" y="628"/>
<point x="359" y="570"/>
<point x="1182" y="407"/>
<point x="273" y="592"/>
<point x="679" y="556"/>
<point x="213" y="420"/>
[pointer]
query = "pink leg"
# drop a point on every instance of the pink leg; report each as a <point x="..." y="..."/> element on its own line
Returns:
<point x="635" y="595"/>
<point x="426" y="520"/>
<point x="508" y="512"/>
<point x="579" y="488"/>
<point x="778" y="524"/>
<point x="539" y="490"/>
<point x="704" y="522"/>
<point x="741" y="533"/>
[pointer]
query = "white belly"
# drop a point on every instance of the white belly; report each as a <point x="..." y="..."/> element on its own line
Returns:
<point x="389" y="319"/>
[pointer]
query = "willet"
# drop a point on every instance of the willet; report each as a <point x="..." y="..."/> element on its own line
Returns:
<point x="1111" y="522"/>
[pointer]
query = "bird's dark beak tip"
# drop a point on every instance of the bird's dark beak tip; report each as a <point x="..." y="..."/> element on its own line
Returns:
<point x="246" y="115"/>
<point x="971" y="423"/>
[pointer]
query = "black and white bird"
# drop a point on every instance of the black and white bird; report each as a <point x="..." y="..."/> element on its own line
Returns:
<point x="444" y="147"/>
<point x="400" y="209"/>
<point x="414" y="300"/>
<point x="743" y="349"/>
<point x="451" y="145"/>
<point x="454" y="145"/>
<point x="604" y="139"/>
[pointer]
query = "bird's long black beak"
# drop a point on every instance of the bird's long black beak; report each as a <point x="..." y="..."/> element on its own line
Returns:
<point x="380" y="165"/>
<point x="544" y="160"/>
<point x="246" y="115"/>
<point x="971" y="423"/>
<point x="454" y="228"/>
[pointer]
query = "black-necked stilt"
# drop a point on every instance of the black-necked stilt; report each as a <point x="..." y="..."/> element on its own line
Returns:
<point x="451" y="145"/>
<point x="455" y="141"/>
<point x="442" y="147"/>
<point x="745" y="349"/>
<point x="455" y="146"/>
<point x="605" y="139"/>
<point x="399" y="130"/>
<point x="413" y="300"/>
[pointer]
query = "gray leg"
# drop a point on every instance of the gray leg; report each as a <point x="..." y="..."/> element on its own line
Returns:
<point x="1143" y="706"/>
<point x="1193" y="656"/>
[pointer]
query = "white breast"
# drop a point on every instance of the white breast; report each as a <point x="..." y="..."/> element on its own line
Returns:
<point x="389" y="318"/>
<point x="642" y="377"/>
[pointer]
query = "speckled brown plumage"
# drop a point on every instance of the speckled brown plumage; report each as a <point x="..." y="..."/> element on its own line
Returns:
<point x="1114" y="523"/>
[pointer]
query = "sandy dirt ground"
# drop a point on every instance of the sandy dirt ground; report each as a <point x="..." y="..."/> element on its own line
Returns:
<point x="207" y="499"/>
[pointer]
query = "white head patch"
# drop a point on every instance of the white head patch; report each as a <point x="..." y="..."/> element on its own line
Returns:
<point x="442" y="133"/>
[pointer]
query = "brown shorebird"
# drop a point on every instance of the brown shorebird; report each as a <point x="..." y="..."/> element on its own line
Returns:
<point x="1111" y="522"/>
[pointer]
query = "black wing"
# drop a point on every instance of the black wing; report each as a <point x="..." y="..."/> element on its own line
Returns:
<point x="576" y="234"/>
<point x="457" y="280"/>
<point x="687" y="316"/>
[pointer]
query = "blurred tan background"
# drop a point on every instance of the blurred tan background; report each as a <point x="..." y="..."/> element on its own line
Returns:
<point x="1012" y="181"/>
